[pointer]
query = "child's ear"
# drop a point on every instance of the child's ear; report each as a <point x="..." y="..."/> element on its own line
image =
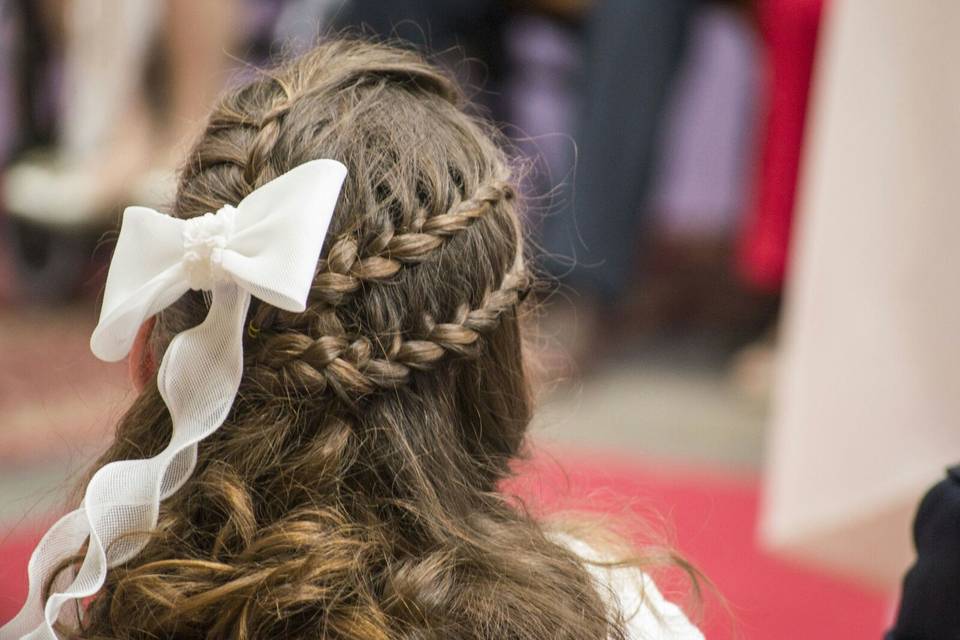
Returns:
<point x="142" y="366"/>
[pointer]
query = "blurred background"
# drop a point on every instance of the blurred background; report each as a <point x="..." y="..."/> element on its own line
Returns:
<point x="745" y="212"/>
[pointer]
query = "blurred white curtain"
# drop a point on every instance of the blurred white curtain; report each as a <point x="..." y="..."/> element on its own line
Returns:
<point x="866" y="411"/>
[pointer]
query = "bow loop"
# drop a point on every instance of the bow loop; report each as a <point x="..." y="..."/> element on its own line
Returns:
<point x="268" y="245"/>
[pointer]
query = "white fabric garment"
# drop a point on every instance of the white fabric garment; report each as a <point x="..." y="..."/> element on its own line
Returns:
<point x="649" y="616"/>
<point x="267" y="247"/>
<point x="864" y="413"/>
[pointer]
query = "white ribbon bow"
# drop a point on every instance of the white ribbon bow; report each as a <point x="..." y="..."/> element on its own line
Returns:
<point x="267" y="247"/>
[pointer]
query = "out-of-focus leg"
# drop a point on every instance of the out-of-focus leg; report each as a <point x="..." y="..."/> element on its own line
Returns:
<point x="633" y="50"/>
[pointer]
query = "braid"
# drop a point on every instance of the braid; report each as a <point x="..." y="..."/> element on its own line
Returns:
<point x="345" y="270"/>
<point x="257" y="169"/>
<point x="234" y="156"/>
<point x="245" y="139"/>
<point x="348" y="367"/>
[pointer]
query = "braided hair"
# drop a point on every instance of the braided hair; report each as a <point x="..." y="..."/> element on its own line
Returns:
<point x="352" y="493"/>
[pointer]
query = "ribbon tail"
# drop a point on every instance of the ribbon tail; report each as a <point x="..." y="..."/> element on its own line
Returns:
<point x="66" y="535"/>
<point x="198" y="379"/>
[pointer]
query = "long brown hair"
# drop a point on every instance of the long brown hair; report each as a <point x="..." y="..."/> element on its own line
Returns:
<point x="353" y="491"/>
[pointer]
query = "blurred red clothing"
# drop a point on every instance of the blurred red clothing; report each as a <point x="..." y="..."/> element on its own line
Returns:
<point x="789" y="30"/>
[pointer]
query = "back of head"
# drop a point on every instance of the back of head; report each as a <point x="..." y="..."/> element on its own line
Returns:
<point x="352" y="492"/>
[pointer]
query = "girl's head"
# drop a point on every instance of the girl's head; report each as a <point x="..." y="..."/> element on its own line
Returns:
<point x="353" y="491"/>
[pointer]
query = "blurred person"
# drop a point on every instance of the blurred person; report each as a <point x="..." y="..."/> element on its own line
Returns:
<point x="635" y="53"/>
<point x="633" y="49"/>
<point x="520" y="58"/>
<point x="700" y="186"/>
<point x="929" y="607"/>
<point x="8" y="117"/>
<point x="466" y="35"/>
<point x="118" y="122"/>
<point x="356" y="421"/>
<point x="789" y="32"/>
<point x="539" y="100"/>
<point x="113" y="142"/>
<point x="704" y="156"/>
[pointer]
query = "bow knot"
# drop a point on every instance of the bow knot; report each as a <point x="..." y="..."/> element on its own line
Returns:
<point x="204" y="239"/>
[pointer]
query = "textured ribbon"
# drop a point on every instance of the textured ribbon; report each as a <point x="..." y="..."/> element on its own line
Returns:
<point x="267" y="247"/>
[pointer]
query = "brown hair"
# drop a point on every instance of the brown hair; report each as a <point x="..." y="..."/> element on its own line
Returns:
<point x="353" y="490"/>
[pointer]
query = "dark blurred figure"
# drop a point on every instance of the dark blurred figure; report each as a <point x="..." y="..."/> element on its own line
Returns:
<point x="930" y="604"/>
<point x="634" y="53"/>
<point x="518" y="60"/>
<point x="457" y="30"/>
<point x="633" y="50"/>
<point x="597" y="73"/>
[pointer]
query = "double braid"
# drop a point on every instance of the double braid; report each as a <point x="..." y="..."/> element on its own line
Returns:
<point x="350" y="366"/>
<point x="344" y="271"/>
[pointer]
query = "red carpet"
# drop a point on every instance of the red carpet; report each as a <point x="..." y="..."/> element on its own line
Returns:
<point x="713" y="518"/>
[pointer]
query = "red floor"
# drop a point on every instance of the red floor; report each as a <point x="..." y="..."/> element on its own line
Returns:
<point x="713" y="518"/>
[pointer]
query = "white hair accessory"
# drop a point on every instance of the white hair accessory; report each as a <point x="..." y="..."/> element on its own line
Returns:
<point x="266" y="247"/>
